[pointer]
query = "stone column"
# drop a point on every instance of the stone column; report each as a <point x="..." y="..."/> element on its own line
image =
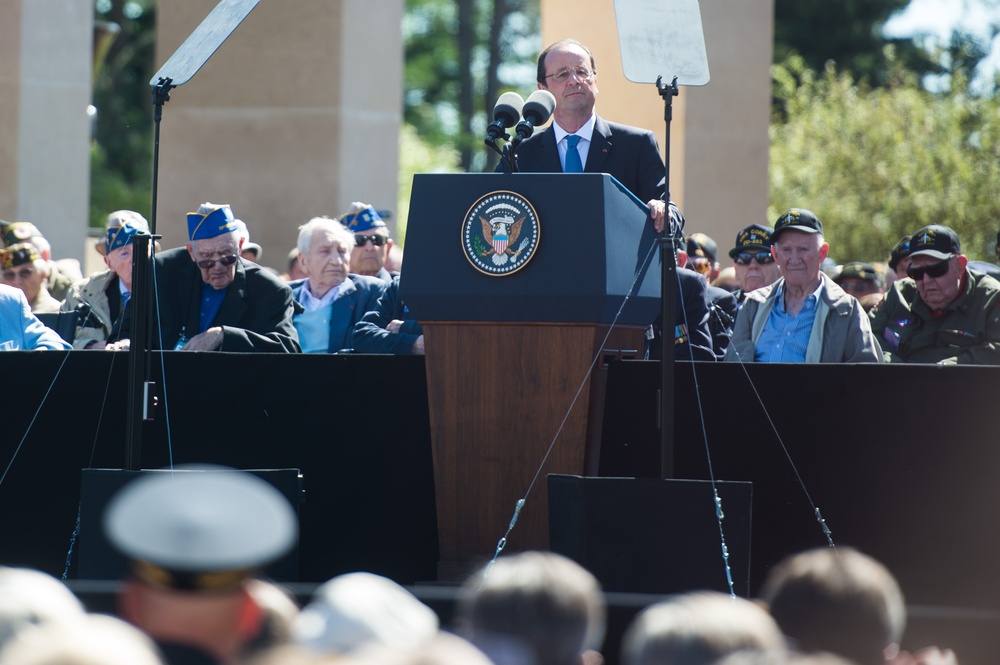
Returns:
<point x="296" y="115"/>
<point x="45" y="88"/>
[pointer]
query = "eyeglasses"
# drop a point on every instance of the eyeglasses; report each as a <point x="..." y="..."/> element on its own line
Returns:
<point x="744" y="258"/>
<point x="582" y="74"/>
<point x="208" y="264"/>
<point x="701" y="266"/>
<point x="23" y="273"/>
<point x="933" y="270"/>
<point x="377" y="240"/>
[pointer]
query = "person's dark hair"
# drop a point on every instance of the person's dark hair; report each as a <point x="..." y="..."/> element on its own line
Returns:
<point x="836" y="600"/>
<point x="563" y="42"/>
<point x="541" y="605"/>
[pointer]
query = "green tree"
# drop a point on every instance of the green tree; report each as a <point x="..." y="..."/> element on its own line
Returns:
<point x="121" y="150"/>
<point x="460" y="55"/>
<point x="848" y="32"/>
<point x="878" y="163"/>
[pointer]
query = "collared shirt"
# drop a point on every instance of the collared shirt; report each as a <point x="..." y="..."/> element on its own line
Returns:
<point x="785" y="337"/>
<point x="311" y="302"/>
<point x="586" y="133"/>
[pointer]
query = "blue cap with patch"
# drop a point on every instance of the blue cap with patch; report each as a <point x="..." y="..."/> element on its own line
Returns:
<point x="365" y="219"/>
<point x="209" y="223"/>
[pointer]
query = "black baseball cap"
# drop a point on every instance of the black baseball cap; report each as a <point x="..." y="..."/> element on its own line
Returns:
<point x="755" y="236"/>
<point x="797" y="219"/>
<point x="935" y="240"/>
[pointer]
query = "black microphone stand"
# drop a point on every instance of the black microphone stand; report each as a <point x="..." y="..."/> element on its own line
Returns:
<point x="668" y="297"/>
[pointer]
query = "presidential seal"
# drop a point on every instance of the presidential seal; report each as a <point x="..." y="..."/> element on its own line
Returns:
<point x="500" y="233"/>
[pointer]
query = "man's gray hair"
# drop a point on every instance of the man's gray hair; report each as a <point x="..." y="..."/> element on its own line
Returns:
<point x="339" y="232"/>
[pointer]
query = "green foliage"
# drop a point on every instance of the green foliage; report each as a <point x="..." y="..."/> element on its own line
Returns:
<point x="439" y="72"/>
<point x="848" y="32"/>
<point x="121" y="154"/>
<point x="417" y="155"/>
<point x="878" y="163"/>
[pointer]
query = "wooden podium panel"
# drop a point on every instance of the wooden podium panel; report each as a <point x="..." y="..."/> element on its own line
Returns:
<point x="497" y="395"/>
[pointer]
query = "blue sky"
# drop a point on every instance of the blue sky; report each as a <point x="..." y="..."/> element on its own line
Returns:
<point x="935" y="19"/>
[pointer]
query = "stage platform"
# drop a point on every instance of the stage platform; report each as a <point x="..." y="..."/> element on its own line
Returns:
<point x="900" y="460"/>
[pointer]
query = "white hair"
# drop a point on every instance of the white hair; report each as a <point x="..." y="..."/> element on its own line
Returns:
<point x="339" y="232"/>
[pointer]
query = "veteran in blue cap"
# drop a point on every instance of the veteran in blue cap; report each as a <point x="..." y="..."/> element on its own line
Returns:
<point x="195" y="538"/>
<point x="371" y="241"/>
<point x="944" y="312"/>
<point x="211" y="299"/>
<point x="101" y="300"/>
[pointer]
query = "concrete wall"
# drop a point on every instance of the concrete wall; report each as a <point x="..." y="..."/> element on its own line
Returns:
<point x="45" y="88"/>
<point x="296" y="115"/>
<point x="719" y="133"/>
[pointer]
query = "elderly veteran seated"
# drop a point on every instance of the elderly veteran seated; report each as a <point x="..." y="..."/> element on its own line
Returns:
<point x="943" y="312"/>
<point x="195" y="539"/>
<point x="101" y="299"/>
<point x="752" y="259"/>
<point x="371" y="241"/>
<point x="23" y="268"/>
<point x="62" y="273"/>
<point x="20" y="330"/>
<point x="804" y="316"/>
<point x="862" y="281"/>
<point x="210" y="299"/>
<point x="334" y="299"/>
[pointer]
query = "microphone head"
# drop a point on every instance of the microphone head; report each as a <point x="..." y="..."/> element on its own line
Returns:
<point x="508" y="109"/>
<point x="539" y="107"/>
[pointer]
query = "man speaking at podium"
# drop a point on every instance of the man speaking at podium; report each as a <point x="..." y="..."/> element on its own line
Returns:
<point x="631" y="155"/>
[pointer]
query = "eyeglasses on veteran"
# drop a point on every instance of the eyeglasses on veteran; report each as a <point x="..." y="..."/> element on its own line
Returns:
<point x="744" y="258"/>
<point x="208" y="264"/>
<point x="933" y="270"/>
<point x="377" y="240"/>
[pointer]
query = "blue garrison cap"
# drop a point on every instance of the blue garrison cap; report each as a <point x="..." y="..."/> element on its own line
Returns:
<point x="209" y="223"/>
<point x="365" y="219"/>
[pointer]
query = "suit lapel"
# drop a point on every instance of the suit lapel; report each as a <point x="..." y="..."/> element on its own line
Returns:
<point x="340" y="316"/>
<point x="600" y="147"/>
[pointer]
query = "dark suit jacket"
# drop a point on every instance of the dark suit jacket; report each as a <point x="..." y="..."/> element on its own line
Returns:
<point x="256" y="313"/>
<point x="721" y="316"/>
<point x="692" y="311"/>
<point x="630" y="154"/>
<point x="358" y="294"/>
<point x="370" y="334"/>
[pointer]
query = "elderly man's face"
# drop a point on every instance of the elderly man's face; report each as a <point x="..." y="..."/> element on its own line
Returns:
<point x="120" y="262"/>
<point x="216" y="253"/>
<point x="327" y="262"/>
<point x="859" y="287"/>
<point x="799" y="255"/>
<point x="28" y="277"/>
<point x="939" y="292"/>
<point x="367" y="258"/>
<point x="755" y="268"/>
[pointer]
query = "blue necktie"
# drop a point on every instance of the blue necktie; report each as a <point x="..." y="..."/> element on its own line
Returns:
<point x="573" y="163"/>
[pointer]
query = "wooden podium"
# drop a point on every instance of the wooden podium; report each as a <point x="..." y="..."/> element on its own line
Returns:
<point x="508" y="355"/>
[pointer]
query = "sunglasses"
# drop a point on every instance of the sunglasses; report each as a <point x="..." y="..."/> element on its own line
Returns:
<point x="933" y="270"/>
<point x="744" y="258"/>
<point x="700" y="266"/>
<point x="377" y="240"/>
<point x="208" y="264"/>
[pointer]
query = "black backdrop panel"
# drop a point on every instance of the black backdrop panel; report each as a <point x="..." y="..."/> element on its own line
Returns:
<point x="355" y="425"/>
<point x="901" y="460"/>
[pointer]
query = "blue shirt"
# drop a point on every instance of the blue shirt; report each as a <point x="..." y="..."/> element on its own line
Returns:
<point x="785" y="337"/>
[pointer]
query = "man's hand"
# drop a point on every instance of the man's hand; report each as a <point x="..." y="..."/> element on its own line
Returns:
<point x="657" y="212"/>
<point x="394" y="326"/>
<point x="120" y="345"/>
<point x="418" y="346"/>
<point x="210" y="340"/>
